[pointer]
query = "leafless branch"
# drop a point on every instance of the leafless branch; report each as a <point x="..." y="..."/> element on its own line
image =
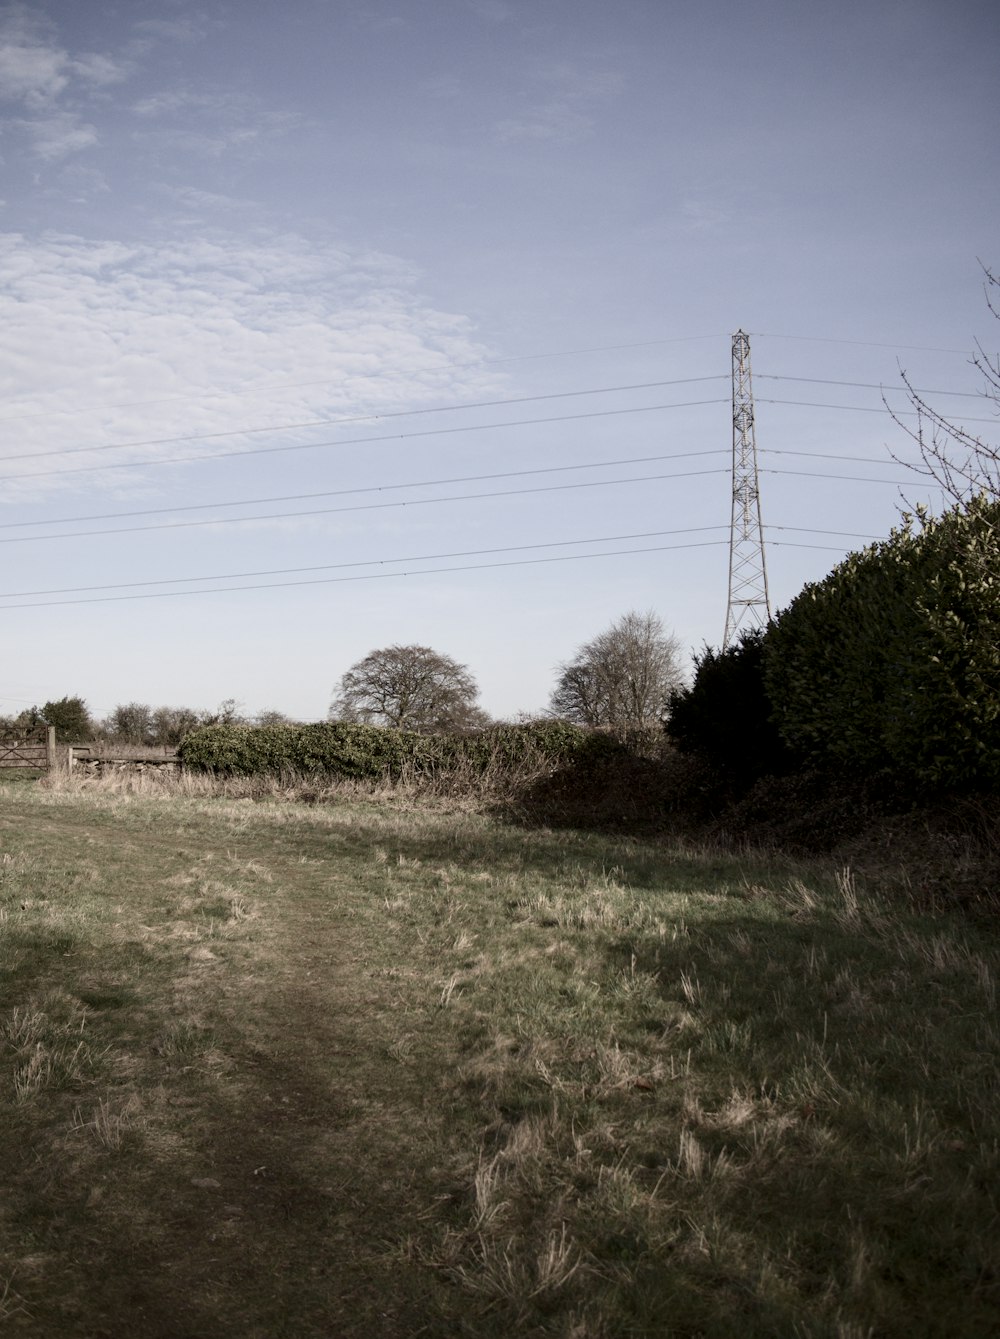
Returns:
<point x="960" y="463"/>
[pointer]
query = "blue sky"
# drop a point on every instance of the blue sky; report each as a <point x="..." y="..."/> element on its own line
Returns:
<point x="260" y="260"/>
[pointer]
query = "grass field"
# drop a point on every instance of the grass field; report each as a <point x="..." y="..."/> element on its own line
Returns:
<point x="367" y="1069"/>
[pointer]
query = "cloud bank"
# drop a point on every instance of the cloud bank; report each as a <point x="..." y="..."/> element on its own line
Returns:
<point x="104" y="342"/>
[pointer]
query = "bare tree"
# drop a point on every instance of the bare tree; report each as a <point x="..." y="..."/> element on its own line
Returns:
<point x="171" y="724"/>
<point x="960" y="463"/>
<point x="228" y="712"/>
<point x="130" y="723"/>
<point x="271" y="716"/>
<point x="409" y="688"/>
<point x="623" y="677"/>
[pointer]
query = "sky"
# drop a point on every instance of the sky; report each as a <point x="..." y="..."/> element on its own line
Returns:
<point x="331" y="325"/>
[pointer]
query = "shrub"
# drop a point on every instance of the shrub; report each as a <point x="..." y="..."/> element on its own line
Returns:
<point x="373" y="753"/>
<point x="892" y="662"/>
<point x="361" y="752"/>
<point x="725" y="716"/>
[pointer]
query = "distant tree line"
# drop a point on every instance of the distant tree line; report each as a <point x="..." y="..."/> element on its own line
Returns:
<point x="135" y="723"/>
<point x="622" y="678"/>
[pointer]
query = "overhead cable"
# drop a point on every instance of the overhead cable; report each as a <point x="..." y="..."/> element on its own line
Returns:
<point x="810" y="474"/>
<point x="862" y="408"/>
<point x="375" y="576"/>
<point x="364" y="506"/>
<point x="358" y="376"/>
<point x="865" y="385"/>
<point x="371" y="488"/>
<point x="859" y="343"/>
<point x="360" y="418"/>
<point x="363" y="562"/>
<point x="452" y="408"/>
<point x="358" y="441"/>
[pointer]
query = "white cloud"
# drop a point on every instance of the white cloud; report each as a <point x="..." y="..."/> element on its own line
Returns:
<point x="564" y="114"/>
<point x="702" y="216"/>
<point x="493" y="11"/>
<point x="554" y="122"/>
<point x="83" y="184"/>
<point x="62" y="133"/>
<point x="32" y="68"/>
<point x="207" y="124"/>
<point x="185" y="338"/>
<point x="192" y="199"/>
<point x="98" y="70"/>
<point x="182" y="100"/>
<point x="188" y="28"/>
<point x="35" y="70"/>
<point x="48" y="84"/>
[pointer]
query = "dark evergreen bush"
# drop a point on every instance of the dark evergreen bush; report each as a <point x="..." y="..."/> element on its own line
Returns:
<point x="725" y="716"/>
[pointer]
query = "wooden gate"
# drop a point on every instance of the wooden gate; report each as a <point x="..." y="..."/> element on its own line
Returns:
<point x="34" y="749"/>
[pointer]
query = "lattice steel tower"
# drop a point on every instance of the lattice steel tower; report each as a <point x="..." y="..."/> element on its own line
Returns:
<point x="748" y="605"/>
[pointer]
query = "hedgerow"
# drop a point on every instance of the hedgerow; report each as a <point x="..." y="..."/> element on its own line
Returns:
<point x="359" y="752"/>
<point x="892" y="662"/>
<point x="374" y="753"/>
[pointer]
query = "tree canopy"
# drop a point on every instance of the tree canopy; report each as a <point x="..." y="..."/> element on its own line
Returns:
<point x="69" y="715"/>
<point x="623" y="677"/>
<point x="409" y="688"/>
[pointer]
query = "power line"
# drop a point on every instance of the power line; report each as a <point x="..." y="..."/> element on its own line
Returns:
<point x="867" y="385"/>
<point x="866" y="409"/>
<point x="768" y="451"/>
<point x="374" y="576"/>
<point x="366" y="562"/>
<point x="794" y="544"/>
<point x="467" y="366"/>
<point x="342" y="492"/>
<point x="366" y="506"/>
<point x="411" y="558"/>
<point x="442" y="409"/>
<point x="433" y="432"/>
<point x="861" y="343"/>
<point x="356" y="441"/>
<point x="417" y="483"/>
<point x="359" y="376"/>
<point x="359" y="418"/>
<point x="810" y="474"/>
<point x="808" y="530"/>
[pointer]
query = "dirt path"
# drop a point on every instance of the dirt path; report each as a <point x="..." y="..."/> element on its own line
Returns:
<point x="309" y="1142"/>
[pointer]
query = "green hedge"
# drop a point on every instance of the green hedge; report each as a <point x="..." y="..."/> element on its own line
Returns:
<point x="892" y="662"/>
<point x="370" y="753"/>
<point x="361" y="752"/>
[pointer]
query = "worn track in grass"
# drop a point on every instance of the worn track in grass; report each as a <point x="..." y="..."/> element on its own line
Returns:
<point x="265" y="1185"/>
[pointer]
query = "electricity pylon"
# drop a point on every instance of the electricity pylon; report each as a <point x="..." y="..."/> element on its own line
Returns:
<point x="748" y="599"/>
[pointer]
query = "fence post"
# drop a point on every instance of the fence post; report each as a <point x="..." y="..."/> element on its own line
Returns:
<point x="50" y="747"/>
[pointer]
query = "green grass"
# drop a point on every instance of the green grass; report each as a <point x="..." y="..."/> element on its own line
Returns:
<point x="274" y="1069"/>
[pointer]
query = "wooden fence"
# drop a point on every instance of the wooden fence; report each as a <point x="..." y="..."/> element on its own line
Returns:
<point x="34" y="750"/>
<point x="98" y="757"/>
